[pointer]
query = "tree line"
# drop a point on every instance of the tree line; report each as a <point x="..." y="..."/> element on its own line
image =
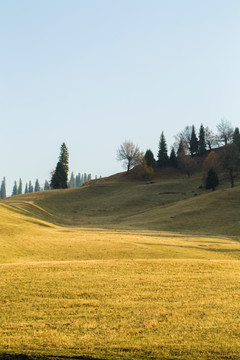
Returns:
<point x="59" y="178"/>
<point x="219" y="151"/>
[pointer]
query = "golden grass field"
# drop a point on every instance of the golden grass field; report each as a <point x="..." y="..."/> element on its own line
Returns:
<point x="114" y="293"/>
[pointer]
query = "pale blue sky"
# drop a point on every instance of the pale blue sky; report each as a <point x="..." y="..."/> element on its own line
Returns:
<point x="95" y="73"/>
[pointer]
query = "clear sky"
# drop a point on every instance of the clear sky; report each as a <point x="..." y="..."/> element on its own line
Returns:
<point x="94" y="73"/>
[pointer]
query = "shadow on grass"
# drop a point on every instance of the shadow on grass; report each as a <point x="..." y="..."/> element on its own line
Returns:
<point x="6" y="356"/>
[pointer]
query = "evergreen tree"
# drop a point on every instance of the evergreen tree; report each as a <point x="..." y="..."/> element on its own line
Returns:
<point x="20" y="186"/>
<point x="202" y="141"/>
<point x="59" y="178"/>
<point x="46" y="185"/>
<point x="26" y="189"/>
<point x="63" y="158"/>
<point x="60" y="175"/>
<point x="212" y="179"/>
<point x="37" y="186"/>
<point x="82" y="179"/>
<point x="193" y="142"/>
<point x="72" y="182"/>
<point x="236" y="138"/>
<point x="163" y="158"/>
<point x="149" y="157"/>
<point x="78" y="180"/>
<point x="15" y="189"/>
<point x="3" y="188"/>
<point x="173" y="158"/>
<point x="30" y="187"/>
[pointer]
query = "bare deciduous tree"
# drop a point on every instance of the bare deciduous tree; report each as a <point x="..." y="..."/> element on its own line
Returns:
<point x="184" y="137"/>
<point x="225" y="131"/>
<point x="186" y="163"/>
<point x="210" y="138"/>
<point x="129" y="154"/>
<point x="231" y="161"/>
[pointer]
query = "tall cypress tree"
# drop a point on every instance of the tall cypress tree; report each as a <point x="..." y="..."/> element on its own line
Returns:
<point x="3" y="188"/>
<point x="15" y="189"/>
<point x="20" y="186"/>
<point x="163" y="158"/>
<point x="37" y="186"/>
<point x="202" y="141"/>
<point x="26" y="189"/>
<point x="72" y="181"/>
<point x="193" y="142"/>
<point x="78" y="180"/>
<point x="30" y="187"/>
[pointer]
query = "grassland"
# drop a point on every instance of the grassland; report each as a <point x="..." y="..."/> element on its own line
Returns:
<point x="121" y="270"/>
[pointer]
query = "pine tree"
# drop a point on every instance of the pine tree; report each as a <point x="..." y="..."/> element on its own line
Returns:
<point x="63" y="158"/>
<point x="82" y="179"/>
<point x="236" y="138"/>
<point x="193" y="142"/>
<point x="149" y="157"/>
<point x="3" y="188"/>
<point x="15" y="189"/>
<point x="20" y="186"/>
<point x="26" y="189"/>
<point x="201" y="141"/>
<point x="37" y="186"/>
<point x="163" y="158"/>
<point x="30" y="187"/>
<point x="72" y="182"/>
<point x="212" y="179"/>
<point x="46" y="185"/>
<point x="59" y="178"/>
<point x="173" y="158"/>
<point x="78" y="180"/>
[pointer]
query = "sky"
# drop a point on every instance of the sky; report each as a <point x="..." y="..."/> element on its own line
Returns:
<point x="95" y="73"/>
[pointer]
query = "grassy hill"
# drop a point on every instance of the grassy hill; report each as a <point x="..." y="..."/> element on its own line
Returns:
<point x="121" y="269"/>
<point x="172" y="202"/>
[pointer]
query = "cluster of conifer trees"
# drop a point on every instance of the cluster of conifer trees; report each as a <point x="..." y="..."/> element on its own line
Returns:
<point x="59" y="178"/>
<point x="188" y="147"/>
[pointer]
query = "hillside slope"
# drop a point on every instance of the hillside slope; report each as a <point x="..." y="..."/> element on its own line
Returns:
<point x="174" y="204"/>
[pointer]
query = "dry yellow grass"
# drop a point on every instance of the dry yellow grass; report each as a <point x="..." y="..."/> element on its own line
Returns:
<point x="116" y="294"/>
<point x="185" y="309"/>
